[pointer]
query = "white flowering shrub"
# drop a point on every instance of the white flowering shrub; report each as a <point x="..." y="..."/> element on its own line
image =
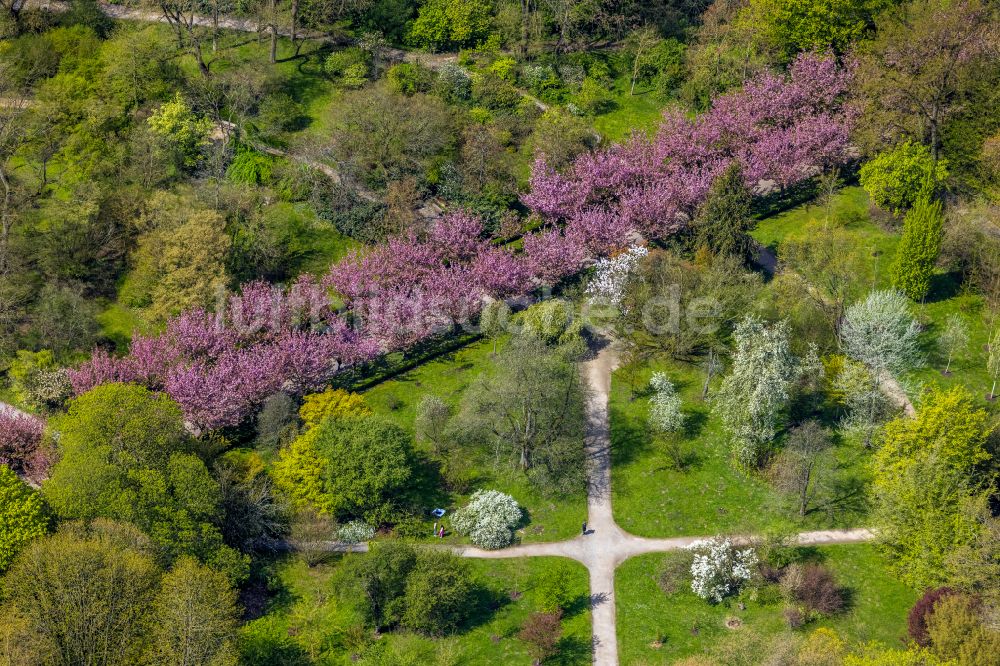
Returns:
<point x="539" y="77"/>
<point x="454" y="82"/>
<point x="719" y="568"/>
<point x="753" y="397"/>
<point x="611" y="276"/>
<point x="664" y="405"/>
<point x="881" y="333"/>
<point x="488" y="519"/>
<point x="355" y="531"/>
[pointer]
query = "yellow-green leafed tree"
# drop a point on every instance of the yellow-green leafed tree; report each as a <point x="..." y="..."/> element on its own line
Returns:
<point x="336" y="403"/>
<point x="298" y="472"/>
<point x="876" y="654"/>
<point x="180" y="259"/>
<point x="192" y="265"/>
<point x="195" y="617"/>
<point x="23" y="516"/>
<point x="928" y="474"/>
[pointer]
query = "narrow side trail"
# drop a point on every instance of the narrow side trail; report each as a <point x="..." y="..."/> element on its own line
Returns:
<point x="768" y="261"/>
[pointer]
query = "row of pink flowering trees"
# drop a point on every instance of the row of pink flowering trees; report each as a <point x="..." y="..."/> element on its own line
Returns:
<point x="220" y="367"/>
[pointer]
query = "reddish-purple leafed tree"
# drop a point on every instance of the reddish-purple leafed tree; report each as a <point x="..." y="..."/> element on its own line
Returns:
<point x="21" y="443"/>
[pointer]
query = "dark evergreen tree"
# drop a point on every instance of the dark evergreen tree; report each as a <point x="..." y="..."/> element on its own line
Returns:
<point x="724" y="221"/>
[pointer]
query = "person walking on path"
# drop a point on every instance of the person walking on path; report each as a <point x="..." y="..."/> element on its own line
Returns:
<point x="583" y="530"/>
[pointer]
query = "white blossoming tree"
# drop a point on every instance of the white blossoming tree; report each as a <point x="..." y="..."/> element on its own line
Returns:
<point x="488" y="519"/>
<point x="754" y="394"/>
<point x="719" y="569"/>
<point x="664" y="405"/>
<point x="665" y="416"/>
<point x="611" y="276"/>
<point x="880" y="333"/>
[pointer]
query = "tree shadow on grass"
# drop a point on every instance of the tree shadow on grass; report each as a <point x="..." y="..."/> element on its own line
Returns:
<point x="426" y="488"/>
<point x="628" y="439"/>
<point x="846" y="504"/>
<point x="944" y="286"/>
<point x="263" y="593"/>
<point x="573" y="651"/>
<point x="484" y="603"/>
<point x="695" y="421"/>
<point x="579" y="604"/>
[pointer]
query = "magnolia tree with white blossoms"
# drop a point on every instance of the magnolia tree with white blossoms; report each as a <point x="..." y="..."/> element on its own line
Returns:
<point x="488" y="519"/>
<point x="611" y="276"/>
<point x="719" y="569"/>
<point x="881" y="333"/>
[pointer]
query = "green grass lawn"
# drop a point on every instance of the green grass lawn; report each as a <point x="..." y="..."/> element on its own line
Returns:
<point x="849" y="211"/>
<point x="315" y="243"/>
<point x="447" y="377"/>
<point x="708" y="496"/>
<point x="687" y="625"/>
<point x="630" y="113"/>
<point x="968" y="367"/>
<point x="118" y="322"/>
<point x="300" y="76"/>
<point x="306" y="618"/>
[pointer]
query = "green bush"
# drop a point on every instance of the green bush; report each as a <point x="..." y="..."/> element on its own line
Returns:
<point x="505" y="69"/>
<point x="451" y="24"/>
<point x="250" y="168"/>
<point x="480" y="115"/>
<point x="408" y="78"/>
<point x="895" y="178"/>
<point x="668" y="69"/>
<point x="599" y="70"/>
<point x="23" y="516"/>
<point x="279" y="113"/>
<point x="37" y="380"/>
<point x="918" y="248"/>
<point x="494" y="93"/>
<point x="439" y="594"/>
<point x="182" y="132"/>
<point x="594" y="98"/>
<point x="338" y="62"/>
<point x="453" y="84"/>
<point x="126" y="455"/>
<point x="542" y="80"/>
<point x="354" y="468"/>
<point x="355" y="75"/>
